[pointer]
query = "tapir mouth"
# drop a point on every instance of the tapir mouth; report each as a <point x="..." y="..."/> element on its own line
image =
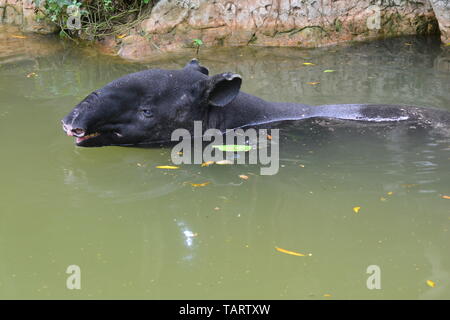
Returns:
<point x="82" y="136"/>
<point x="87" y="137"/>
<point x="79" y="134"/>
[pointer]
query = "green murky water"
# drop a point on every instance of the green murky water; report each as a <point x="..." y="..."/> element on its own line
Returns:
<point x="140" y="232"/>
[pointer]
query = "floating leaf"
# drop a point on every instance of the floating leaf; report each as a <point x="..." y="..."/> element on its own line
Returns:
<point x="390" y="193"/>
<point x="356" y="209"/>
<point x="308" y="64"/>
<point x="18" y="37"/>
<point x="32" y="74"/>
<point x="243" y="177"/>
<point x="292" y="253"/>
<point x="207" y="163"/>
<point x="313" y="83"/>
<point x="329" y="70"/>
<point x="446" y="197"/>
<point x="383" y="199"/>
<point x="223" y="162"/>
<point x="167" y="167"/>
<point x="408" y="44"/>
<point x="204" y="184"/>
<point x="431" y="283"/>
<point x="121" y="36"/>
<point x="327" y="295"/>
<point x="233" y="148"/>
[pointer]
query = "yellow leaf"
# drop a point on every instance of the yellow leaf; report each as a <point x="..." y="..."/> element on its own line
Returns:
<point x="445" y="197"/>
<point x="383" y="199"/>
<point x="356" y="209"/>
<point x="167" y="167"/>
<point x="292" y="253"/>
<point x="408" y="44"/>
<point x="313" y="83"/>
<point x="327" y="295"/>
<point x="18" y="37"/>
<point x="390" y="193"/>
<point x="431" y="283"/>
<point x="308" y="64"/>
<point x="243" y="176"/>
<point x="207" y="163"/>
<point x="200" y="184"/>
<point x="121" y="36"/>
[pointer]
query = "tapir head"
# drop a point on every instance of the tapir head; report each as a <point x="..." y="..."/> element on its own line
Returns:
<point x="146" y="107"/>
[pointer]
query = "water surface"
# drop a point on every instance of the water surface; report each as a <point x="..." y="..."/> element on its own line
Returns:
<point x="140" y="232"/>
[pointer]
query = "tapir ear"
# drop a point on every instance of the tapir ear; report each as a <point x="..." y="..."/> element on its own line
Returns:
<point x="223" y="88"/>
<point x="196" y="66"/>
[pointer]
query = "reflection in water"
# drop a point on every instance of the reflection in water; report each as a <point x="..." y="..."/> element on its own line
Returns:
<point x="140" y="232"/>
<point x="25" y="49"/>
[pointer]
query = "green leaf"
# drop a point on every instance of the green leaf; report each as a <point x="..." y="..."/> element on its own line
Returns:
<point x="233" y="148"/>
<point x="197" y="42"/>
<point x="329" y="70"/>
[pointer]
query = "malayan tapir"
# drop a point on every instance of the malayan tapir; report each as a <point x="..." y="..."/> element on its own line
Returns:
<point x="144" y="108"/>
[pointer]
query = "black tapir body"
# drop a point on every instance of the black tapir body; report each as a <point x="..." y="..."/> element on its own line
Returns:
<point x="144" y="108"/>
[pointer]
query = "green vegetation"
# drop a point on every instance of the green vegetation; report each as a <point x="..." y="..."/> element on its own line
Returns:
<point x="96" y="18"/>
<point x="197" y="44"/>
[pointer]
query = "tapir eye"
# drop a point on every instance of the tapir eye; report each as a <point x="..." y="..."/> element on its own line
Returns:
<point x="147" y="113"/>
